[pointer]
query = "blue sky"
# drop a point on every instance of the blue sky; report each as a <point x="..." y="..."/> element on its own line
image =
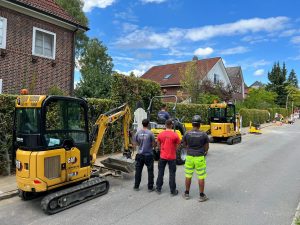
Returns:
<point x="252" y="34"/>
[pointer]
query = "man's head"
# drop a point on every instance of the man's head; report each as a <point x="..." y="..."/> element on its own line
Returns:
<point x="164" y="106"/>
<point x="145" y="123"/>
<point x="196" y="121"/>
<point x="169" y="124"/>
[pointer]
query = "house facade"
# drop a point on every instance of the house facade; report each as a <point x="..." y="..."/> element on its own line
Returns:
<point x="37" y="46"/>
<point x="236" y="78"/>
<point x="168" y="76"/>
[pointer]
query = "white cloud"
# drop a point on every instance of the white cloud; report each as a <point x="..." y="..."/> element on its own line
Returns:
<point x="203" y="51"/>
<point x="239" y="27"/>
<point x="149" y="39"/>
<point x="258" y="63"/>
<point x="259" y="72"/>
<point x="90" y="4"/>
<point x="233" y="51"/>
<point x="153" y="1"/>
<point x="296" y="40"/>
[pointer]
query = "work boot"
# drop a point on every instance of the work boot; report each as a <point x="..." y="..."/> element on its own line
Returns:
<point x="158" y="191"/>
<point x="203" y="198"/>
<point x="186" y="195"/>
<point x="174" y="193"/>
<point x="151" y="189"/>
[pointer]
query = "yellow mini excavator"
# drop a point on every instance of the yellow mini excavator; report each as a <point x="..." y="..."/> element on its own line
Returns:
<point x="54" y="151"/>
<point x="224" y="123"/>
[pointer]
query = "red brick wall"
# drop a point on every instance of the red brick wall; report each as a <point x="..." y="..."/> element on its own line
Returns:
<point x="17" y="69"/>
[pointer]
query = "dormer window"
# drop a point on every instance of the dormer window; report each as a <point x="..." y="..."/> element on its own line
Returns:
<point x="168" y="76"/>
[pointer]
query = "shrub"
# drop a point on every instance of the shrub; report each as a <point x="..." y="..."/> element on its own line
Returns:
<point x="132" y="90"/>
<point x="254" y="115"/>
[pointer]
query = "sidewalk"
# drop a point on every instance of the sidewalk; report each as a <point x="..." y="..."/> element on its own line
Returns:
<point x="8" y="187"/>
<point x="245" y="130"/>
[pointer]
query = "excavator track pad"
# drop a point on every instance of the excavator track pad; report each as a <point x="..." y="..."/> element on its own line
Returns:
<point x="67" y="198"/>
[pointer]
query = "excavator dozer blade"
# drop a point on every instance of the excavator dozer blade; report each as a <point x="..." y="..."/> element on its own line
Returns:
<point x="119" y="163"/>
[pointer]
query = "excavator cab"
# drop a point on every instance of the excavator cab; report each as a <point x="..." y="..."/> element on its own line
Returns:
<point x="225" y="123"/>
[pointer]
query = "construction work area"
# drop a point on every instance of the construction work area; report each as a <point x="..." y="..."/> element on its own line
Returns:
<point x="239" y="176"/>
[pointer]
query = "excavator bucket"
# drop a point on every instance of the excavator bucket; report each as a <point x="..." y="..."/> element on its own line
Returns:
<point x="122" y="164"/>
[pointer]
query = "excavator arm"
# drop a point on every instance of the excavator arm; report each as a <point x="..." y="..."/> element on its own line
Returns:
<point x="102" y="123"/>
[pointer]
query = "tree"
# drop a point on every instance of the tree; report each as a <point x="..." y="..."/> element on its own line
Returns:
<point x="292" y="79"/>
<point x="202" y="91"/>
<point x="260" y="99"/>
<point x="96" y="71"/>
<point x="190" y="81"/>
<point x="74" y="8"/>
<point x="277" y="78"/>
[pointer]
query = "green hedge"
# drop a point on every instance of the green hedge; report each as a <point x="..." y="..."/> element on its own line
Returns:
<point x="132" y="89"/>
<point x="7" y="103"/>
<point x="254" y="115"/>
<point x="284" y="112"/>
<point x="187" y="111"/>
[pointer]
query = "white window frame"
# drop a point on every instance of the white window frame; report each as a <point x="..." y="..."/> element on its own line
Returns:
<point x="1" y="85"/>
<point x="216" y="78"/>
<point x="33" y="42"/>
<point x="3" y="46"/>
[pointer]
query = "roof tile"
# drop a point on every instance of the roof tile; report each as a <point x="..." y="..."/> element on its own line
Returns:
<point x="158" y="73"/>
<point x="49" y="7"/>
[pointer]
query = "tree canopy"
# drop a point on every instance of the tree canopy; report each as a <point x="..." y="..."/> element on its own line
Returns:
<point x="96" y="70"/>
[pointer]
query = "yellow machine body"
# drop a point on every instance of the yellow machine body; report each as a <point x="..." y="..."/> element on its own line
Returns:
<point x="46" y="172"/>
<point x="222" y="130"/>
<point x="46" y="167"/>
<point x="224" y="123"/>
<point x="254" y="128"/>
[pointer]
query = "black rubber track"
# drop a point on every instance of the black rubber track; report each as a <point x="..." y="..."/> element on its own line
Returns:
<point x="83" y="187"/>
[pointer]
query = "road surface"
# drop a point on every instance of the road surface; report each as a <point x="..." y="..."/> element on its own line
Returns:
<point x="256" y="182"/>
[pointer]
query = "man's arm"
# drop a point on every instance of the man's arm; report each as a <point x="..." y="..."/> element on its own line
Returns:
<point x="206" y="145"/>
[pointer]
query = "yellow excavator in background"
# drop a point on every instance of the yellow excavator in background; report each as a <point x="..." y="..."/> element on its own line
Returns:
<point x="224" y="123"/>
<point x="54" y="151"/>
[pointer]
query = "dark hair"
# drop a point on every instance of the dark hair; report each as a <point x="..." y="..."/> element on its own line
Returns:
<point x="169" y="124"/>
<point x="145" y="122"/>
<point x="164" y="105"/>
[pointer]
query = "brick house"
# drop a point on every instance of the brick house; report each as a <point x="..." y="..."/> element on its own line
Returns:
<point x="37" y="49"/>
<point x="168" y="76"/>
<point x="236" y="78"/>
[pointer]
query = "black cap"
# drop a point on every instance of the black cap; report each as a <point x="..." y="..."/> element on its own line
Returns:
<point x="196" y="120"/>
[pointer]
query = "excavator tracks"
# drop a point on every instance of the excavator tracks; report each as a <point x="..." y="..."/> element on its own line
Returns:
<point x="67" y="198"/>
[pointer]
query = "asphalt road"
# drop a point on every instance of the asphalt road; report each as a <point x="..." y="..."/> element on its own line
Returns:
<point x="256" y="182"/>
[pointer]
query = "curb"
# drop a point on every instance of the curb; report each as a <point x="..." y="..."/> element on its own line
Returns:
<point x="297" y="215"/>
<point x="8" y="194"/>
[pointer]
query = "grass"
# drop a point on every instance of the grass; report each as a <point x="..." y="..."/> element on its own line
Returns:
<point x="297" y="221"/>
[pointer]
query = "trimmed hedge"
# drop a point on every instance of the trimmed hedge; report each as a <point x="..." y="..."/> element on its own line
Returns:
<point x="132" y="90"/>
<point x="7" y="103"/>
<point x="254" y="115"/>
<point x="284" y="112"/>
<point x="187" y="111"/>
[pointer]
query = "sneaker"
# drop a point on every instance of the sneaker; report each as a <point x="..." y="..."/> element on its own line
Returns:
<point x="203" y="198"/>
<point x="151" y="189"/>
<point x="136" y="188"/>
<point x="174" y="193"/>
<point x="186" y="196"/>
<point x="158" y="191"/>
